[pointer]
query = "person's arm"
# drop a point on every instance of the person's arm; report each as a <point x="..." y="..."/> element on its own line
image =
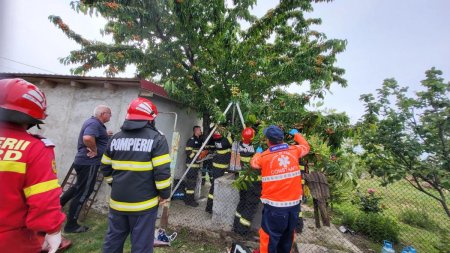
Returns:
<point x="161" y="167"/>
<point x="302" y="145"/>
<point x="190" y="148"/>
<point x="255" y="162"/>
<point x="41" y="191"/>
<point x="91" y="145"/>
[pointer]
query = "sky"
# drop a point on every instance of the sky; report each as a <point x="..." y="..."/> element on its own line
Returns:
<point x="398" y="39"/>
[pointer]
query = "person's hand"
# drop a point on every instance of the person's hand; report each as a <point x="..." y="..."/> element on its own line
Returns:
<point x="110" y="133"/>
<point x="163" y="201"/>
<point x="293" y="132"/>
<point x="52" y="242"/>
<point x="259" y="150"/>
<point x="91" y="153"/>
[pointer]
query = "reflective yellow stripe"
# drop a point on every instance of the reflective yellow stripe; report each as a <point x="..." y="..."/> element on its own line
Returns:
<point x="189" y="191"/>
<point x="300" y="214"/>
<point x="133" y="207"/>
<point x="303" y="181"/>
<point x="245" y="159"/>
<point x="244" y="222"/>
<point x="229" y="139"/>
<point x="41" y="187"/>
<point x="106" y="160"/>
<point x="194" y="165"/>
<point x="163" y="184"/>
<point x="10" y="166"/>
<point x="131" y="165"/>
<point x="188" y="148"/>
<point x="160" y="160"/>
<point x="302" y="167"/>
<point x="109" y="179"/>
<point x="220" y="166"/>
<point x="237" y="215"/>
<point x="222" y="152"/>
<point x="210" y="196"/>
<point x="192" y="155"/>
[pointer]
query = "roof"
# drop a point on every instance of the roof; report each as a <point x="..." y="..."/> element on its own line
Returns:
<point x="81" y="81"/>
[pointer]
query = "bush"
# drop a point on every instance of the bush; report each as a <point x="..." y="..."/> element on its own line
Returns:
<point x="418" y="218"/>
<point x="368" y="203"/>
<point x="377" y="227"/>
<point x="373" y="225"/>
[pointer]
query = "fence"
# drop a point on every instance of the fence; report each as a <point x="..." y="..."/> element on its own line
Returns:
<point x="406" y="217"/>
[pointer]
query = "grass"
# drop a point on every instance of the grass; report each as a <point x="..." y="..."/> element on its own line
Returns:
<point x="186" y="242"/>
<point x="400" y="198"/>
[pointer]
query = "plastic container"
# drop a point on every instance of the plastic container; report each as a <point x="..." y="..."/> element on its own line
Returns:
<point x="409" y="249"/>
<point x="387" y="247"/>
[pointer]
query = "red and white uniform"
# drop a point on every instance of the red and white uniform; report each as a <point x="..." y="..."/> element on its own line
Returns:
<point x="29" y="190"/>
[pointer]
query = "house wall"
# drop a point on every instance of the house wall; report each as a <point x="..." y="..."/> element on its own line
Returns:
<point x="69" y="107"/>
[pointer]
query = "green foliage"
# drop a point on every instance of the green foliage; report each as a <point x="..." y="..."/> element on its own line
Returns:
<point x="368" y="203"/>
<point x="199" y="50"/>
<point x="373" y="225"/>
<point x="418" y="218"/>
<point x="409" y="137"/>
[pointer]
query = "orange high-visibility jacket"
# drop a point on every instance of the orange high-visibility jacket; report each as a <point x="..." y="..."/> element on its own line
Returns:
<point x="29" y="189"/>
<point x="281" y="176"/>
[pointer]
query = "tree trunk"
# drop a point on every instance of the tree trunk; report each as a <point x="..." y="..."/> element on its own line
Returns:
<point x="443" y="202"/>
<point x="206" y="123"/>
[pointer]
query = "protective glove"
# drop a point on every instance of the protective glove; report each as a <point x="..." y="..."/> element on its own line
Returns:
<point x="259" y="150"/>
<point x="52" y="242"/>
<point x="293" y="132"/>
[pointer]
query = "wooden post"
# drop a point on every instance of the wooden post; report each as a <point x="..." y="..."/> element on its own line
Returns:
<point x="316" y="213"/>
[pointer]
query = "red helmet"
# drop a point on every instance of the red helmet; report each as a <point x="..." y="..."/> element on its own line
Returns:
<point x="141" y="109"/>
<point x="247" y="135"/>
<point x="216" y="135"/>
<point x="22" y="100"/>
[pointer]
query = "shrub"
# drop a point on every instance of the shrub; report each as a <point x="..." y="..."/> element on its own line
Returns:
<point x="373" y="225"/>
<point x="418" y="218"/>
<point x="368" y="203"/>
<point x="377" y="227"/>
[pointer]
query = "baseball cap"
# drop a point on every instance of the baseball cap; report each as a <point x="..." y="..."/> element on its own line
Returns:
<point x="274" y="133"/>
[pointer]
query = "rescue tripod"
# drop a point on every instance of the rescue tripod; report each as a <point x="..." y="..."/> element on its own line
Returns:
<point x="165" y="213"/>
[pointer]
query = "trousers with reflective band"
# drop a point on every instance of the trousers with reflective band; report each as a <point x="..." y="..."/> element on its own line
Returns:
<point x="278" y="229"/>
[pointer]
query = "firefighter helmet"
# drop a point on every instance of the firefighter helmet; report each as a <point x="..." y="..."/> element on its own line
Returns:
<point x="216" y="135"/>
<point x="22" y="102"/>
<point x="141" y="109"/>
<point x="247" y="135"/>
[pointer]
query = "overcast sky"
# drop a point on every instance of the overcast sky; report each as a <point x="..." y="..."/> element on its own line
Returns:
<point x="386" y="38"/>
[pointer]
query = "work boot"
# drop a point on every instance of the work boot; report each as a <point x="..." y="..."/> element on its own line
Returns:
<point x="75" y="229"/>
<point x="192" y="203"/>
<point x="72" y="226"/>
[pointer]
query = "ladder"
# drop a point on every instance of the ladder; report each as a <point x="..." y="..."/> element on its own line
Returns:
<point x="70" y="180"/>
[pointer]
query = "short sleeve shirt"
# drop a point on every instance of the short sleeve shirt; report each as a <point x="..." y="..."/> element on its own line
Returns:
<point x="93" y="127"/>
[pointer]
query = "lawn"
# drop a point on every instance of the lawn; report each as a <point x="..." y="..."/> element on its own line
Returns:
<point x="186" y="241"/>
<point x="400" y="197"/>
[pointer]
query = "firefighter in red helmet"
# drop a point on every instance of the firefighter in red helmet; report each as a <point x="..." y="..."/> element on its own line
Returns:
<point x="248" y="198"/>
<point x="29" y="189"/>
<point x="136" y="163"/>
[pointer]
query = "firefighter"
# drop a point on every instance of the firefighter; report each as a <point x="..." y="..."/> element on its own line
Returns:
<point x="193" y="145"/>
<point x="29" y="189"/>
<point x="220" y="163"/>
<point x="248" y="198"/>
<point x="136" y="163"/>
<point x="281" y="189"/>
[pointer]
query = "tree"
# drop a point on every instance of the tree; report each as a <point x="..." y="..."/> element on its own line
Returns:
<point x="200" y="51"/>
<point x="409" y="137"/>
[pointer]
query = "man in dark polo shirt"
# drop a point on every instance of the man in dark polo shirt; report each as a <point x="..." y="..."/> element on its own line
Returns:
<point x="92" y="142"/>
